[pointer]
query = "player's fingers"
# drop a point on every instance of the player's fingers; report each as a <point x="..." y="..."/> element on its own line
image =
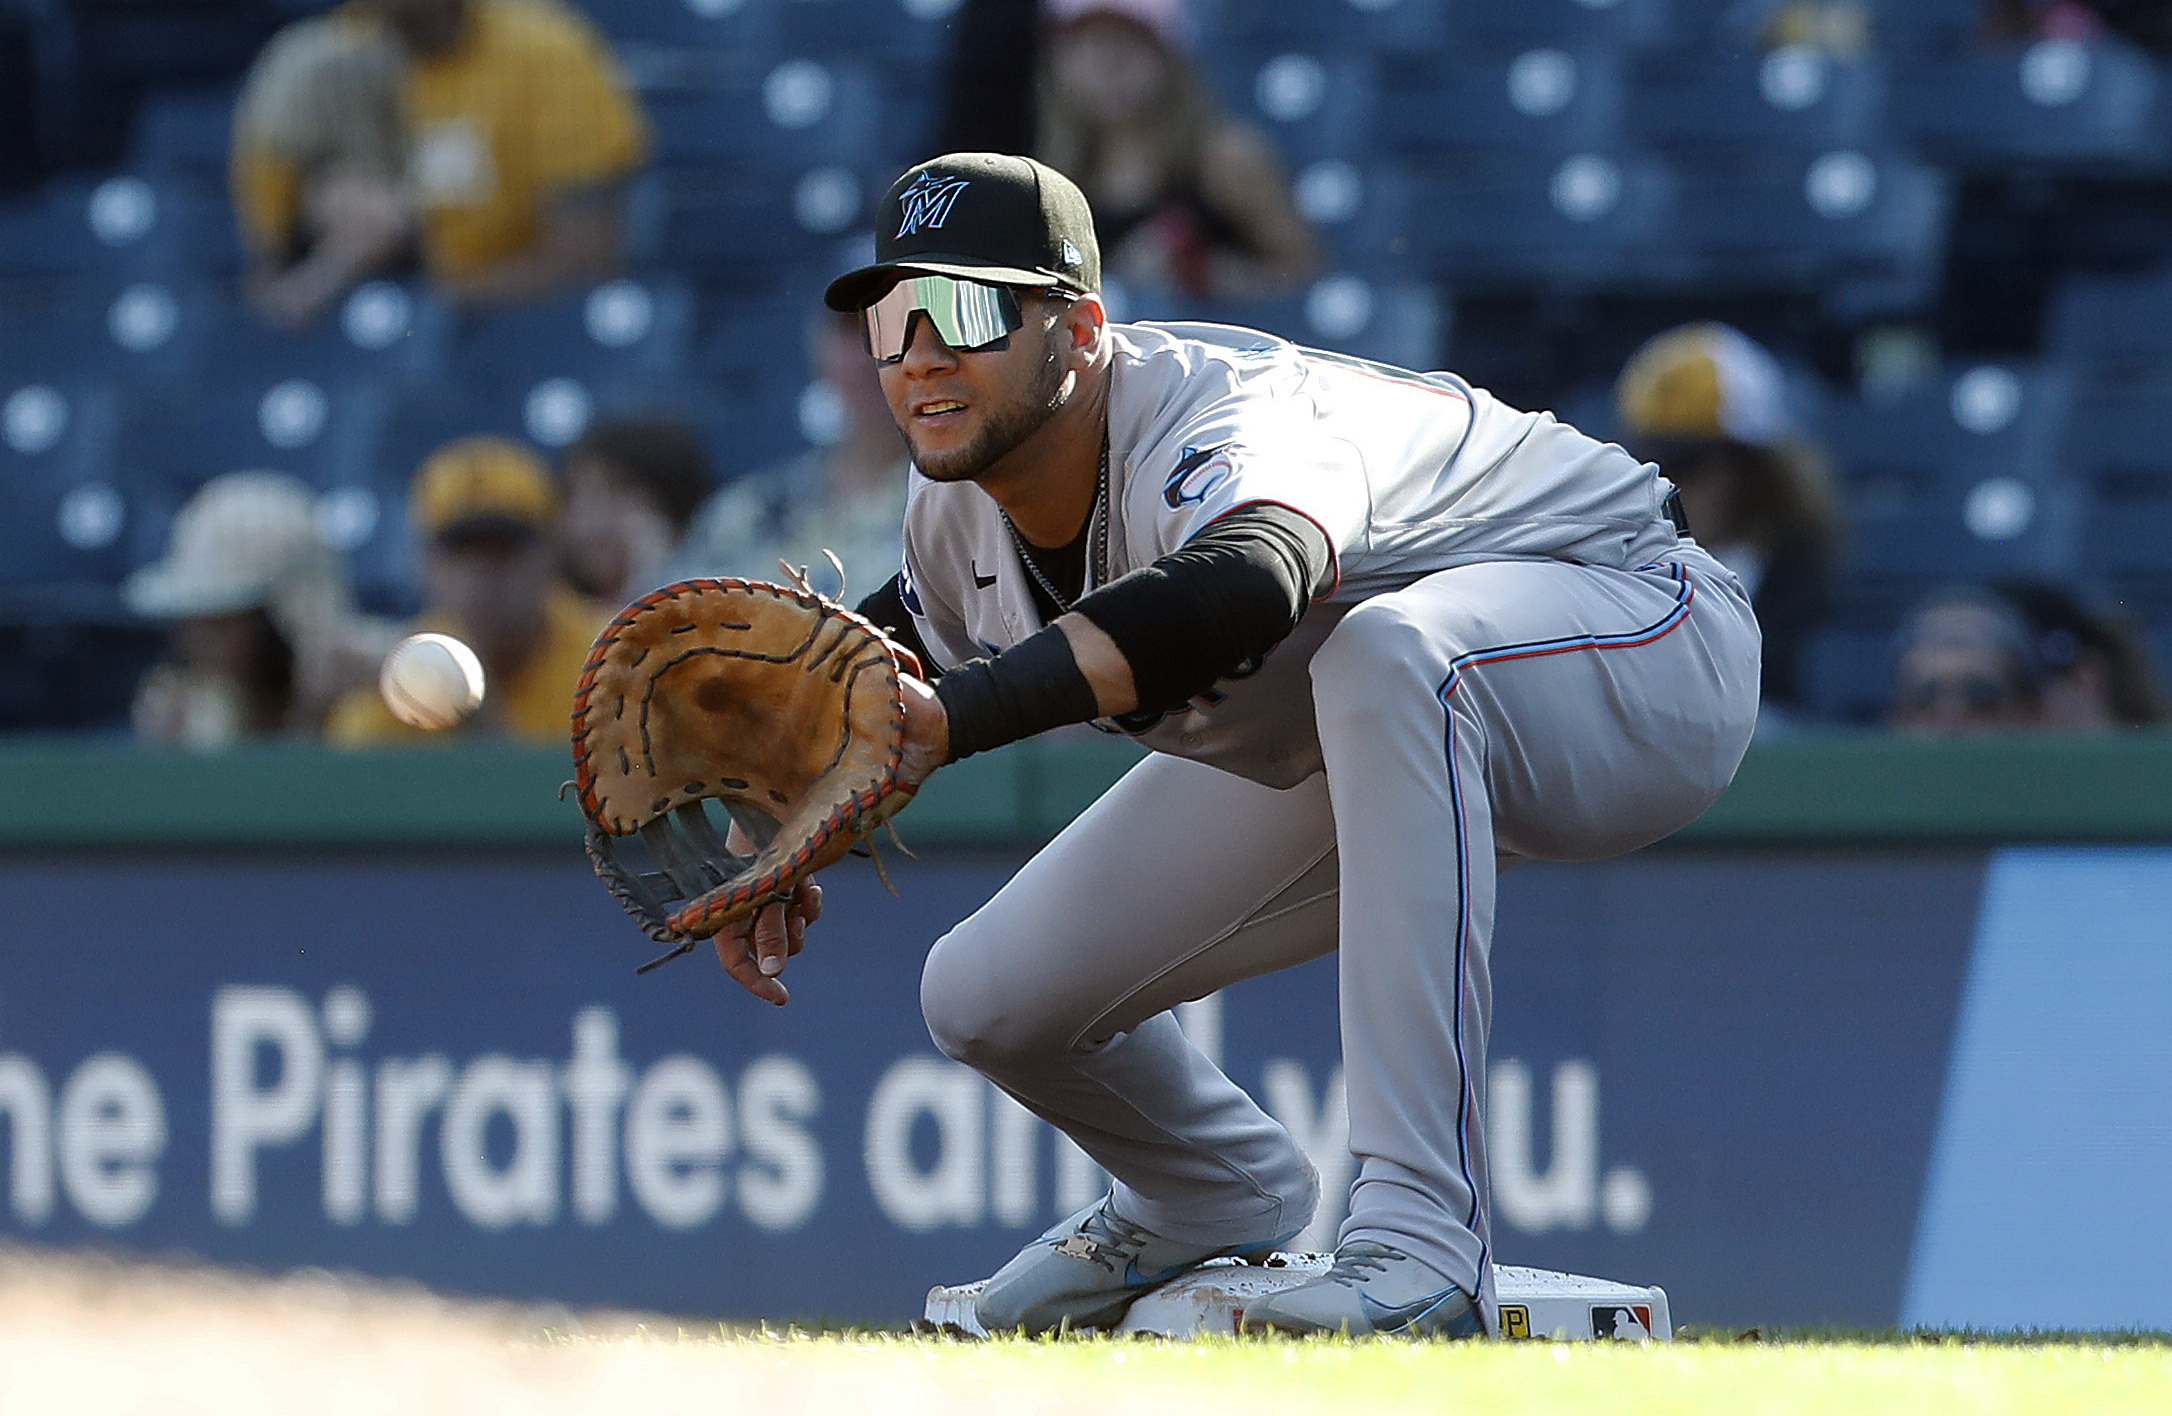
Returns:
<point x="734" y="952"/>
<point x="772" y="944"/>
<point x="809" y="900"/>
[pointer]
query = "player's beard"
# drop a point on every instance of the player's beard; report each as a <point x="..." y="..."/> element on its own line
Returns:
<point x="1004" y="428"/>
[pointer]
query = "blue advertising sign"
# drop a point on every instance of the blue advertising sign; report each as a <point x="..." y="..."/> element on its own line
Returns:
<point x="1723" y="1072"/>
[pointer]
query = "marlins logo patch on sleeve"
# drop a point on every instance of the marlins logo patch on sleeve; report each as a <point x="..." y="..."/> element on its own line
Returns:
<point x="1198" y="472"/>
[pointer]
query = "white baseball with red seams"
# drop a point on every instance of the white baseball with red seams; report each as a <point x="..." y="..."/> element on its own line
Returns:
<point x="431" y="681"/>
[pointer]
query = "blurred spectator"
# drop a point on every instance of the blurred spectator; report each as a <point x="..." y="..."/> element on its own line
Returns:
<point x="1186" y="199"/>
<point x="848" y="497"/>
<point x="2147" y="23"/>
<point x="1840" y="28"/>
<point x="1710" y="406"/>
<point x="632" y="488"/>
<point x="264" y="634"/>
<point x="2018" y="656"/>
<point x="492" y="138"/>
<point x="486" y="515"/>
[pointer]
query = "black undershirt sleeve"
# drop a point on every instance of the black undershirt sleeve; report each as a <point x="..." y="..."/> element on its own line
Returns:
<point x="885" y="609"/>
<point x="1202" y="613"/>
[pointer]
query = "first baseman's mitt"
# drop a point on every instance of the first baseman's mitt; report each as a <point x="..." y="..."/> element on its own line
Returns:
<point x="776" y="703"/>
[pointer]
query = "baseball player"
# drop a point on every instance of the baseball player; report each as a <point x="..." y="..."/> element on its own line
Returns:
<point x="1384" y="635"/>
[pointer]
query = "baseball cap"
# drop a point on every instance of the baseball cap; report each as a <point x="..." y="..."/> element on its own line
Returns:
<point x="482" y="484"/>
<point x="1704" y="381"/>
<point x="978" y="216"/>
<point x="236" y="542"/>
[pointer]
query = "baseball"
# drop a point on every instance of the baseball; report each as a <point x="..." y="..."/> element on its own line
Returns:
<point x="431" y="681"/>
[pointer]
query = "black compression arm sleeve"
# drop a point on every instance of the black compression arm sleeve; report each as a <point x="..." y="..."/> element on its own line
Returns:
<point x="1221" y="601"/>
<point x="885" y="609"/>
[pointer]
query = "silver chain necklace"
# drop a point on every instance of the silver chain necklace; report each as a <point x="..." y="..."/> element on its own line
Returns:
<point x="1098" y="570"/>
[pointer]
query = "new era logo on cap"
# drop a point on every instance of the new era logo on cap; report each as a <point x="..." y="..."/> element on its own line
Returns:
<point x="926" y="204"/>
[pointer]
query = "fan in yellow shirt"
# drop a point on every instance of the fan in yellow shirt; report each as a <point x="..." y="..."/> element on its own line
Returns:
<point x="484" y="511"/>
<point x="491" y="137"/>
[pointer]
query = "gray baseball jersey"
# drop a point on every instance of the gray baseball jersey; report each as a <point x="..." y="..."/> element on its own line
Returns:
<point x="1407" y="474"/>
<point x="1520" y="658"/>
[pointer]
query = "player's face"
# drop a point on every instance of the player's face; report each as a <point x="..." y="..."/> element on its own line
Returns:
<point x="962" y="412"/>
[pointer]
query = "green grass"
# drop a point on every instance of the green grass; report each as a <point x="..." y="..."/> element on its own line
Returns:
<point x="1826" y="1374"/>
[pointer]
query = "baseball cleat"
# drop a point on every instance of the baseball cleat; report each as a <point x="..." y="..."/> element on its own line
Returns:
<point x="1085" y="1272"/>
<point x="1371" y="1289"/>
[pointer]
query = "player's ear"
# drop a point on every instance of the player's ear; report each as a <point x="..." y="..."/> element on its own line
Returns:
<point x="1087" y="323"/>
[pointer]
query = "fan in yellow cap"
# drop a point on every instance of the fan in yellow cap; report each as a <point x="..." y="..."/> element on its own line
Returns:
<point x="1710" y="405"/>
<point x="485" y="514"/>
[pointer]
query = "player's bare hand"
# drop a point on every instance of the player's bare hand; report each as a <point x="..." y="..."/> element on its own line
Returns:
<point x="927" y="732"/>
<point x="753" y="950"/>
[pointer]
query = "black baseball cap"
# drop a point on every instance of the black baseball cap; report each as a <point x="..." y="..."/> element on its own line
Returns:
<point x="978" y="216"/>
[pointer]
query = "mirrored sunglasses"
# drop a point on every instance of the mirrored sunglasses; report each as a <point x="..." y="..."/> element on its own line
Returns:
<point x="966" y="314"/>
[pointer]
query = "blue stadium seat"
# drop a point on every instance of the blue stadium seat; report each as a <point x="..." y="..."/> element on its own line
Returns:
<point x="1325" y="25"/>
<point x="122" y="224"/>
<point x="2058" y="100"/>
<point x="189" y="132"/>
<point x="1314" y="104"/>
<point x="2113" y="319"/>
<point x="1539" y="100"/>
<point x="1398" y="324"/>
<point x="167" y="444"/>
<point x="1570" y="24"/>
<point x="2118" y="450"/>
<point x="1915" y="27"/>
<point x="382" y="331"/>
<point x="730" y="26"/>
<point x="135" y="332"/>
<point x="721" y="220"/>
<point x="1846" y="671"/>
<point x="912" y="31"/>
<point x="66" y="520"/>
<point x="754" y="355"/>
<point x="1812" y="221"/>
<point x="800" y="112"/>
<point x="1958" y="479"/>
<point x="1587" y="219"/>
<point x="1795" y="99"/>
<point x="620" y="332"/>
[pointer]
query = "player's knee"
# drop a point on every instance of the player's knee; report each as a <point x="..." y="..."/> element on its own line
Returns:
<point x="1376" y="644"/>
<point x="970" y="1015"/>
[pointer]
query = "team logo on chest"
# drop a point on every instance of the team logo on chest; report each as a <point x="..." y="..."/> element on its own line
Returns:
<point x="927" y="202"/>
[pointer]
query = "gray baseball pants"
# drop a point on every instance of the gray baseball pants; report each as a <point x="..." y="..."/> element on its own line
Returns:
<point x="1503" y="709"/>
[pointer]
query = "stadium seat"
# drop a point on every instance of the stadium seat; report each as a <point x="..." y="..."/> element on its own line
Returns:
<point x="1314" y="104"/>
<point x="187" y="132"/>
<point x="2113" y="319"/>
<point x="1568" y="24"/>
<point x="1541" y="100"/>
<point x="2057" y="100"/>
<point x="1398" y="324"/>
<point x="725" y="26"/>
<point x="622" y="331"/>
<point x="1920" y="27"/>
<point x="1846" y="670"/>
<point x="2118" y="451"/>
<point x="754" y="357"/>
<point x="798" y="113"/>
<point x="131" y="331"/>
<point x="726" y="221"/>
<point x="122" y="224"/>
<point x="1958" y="479"/>
<point x="1589" y="218"/>
<point x="382" y="331"/>
<point x="1794" y="99"/>
<point x="910" y="31"/>
<point x="1332" y="26"/>
<point x="1812" y="221"/>
<point x="66" y="520"/>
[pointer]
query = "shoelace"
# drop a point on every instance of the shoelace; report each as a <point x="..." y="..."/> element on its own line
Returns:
<point x="1107" y="1237"/>
<point x="1354" y="1261"/>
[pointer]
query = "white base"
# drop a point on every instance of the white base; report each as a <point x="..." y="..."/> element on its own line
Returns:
<point x="1211" y="1300"/>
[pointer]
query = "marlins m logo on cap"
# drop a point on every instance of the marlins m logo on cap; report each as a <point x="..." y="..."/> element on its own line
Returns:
<point x="927" y="202"/>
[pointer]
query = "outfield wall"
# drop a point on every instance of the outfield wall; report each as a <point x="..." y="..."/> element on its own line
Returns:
<point x="374" y="1013"/>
